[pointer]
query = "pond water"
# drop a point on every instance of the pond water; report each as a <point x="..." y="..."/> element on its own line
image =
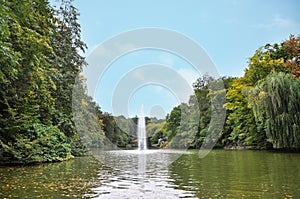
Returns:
<point x="158" y="174"/>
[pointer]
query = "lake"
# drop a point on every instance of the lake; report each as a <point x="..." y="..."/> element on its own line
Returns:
<point x="158" y="174"/>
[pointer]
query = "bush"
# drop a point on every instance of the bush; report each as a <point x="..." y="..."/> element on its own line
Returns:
<point x="40" y="143"/>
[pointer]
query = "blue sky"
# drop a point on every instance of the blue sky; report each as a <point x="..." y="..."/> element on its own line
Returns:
<point x="228" y="30"/>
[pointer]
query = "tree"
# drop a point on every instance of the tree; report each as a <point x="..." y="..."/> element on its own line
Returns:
<point x="173" y="121"/>
<point x="292" y="49"/>
<point x="277" y="102"/>
<point x="68" y="63"/>
<point x="27" y="103"/>
<point x="244" y="129"/>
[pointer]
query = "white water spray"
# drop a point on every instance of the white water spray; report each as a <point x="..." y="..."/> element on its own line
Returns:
<point x="141" y="131"/>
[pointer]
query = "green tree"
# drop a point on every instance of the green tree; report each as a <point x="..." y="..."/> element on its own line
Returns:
<point x="240" y="122"/>
<point x="277" y="104"/>
<point x="173" y="121"/>
<point x="68" y="63"/>
<point x="27" y="104"/>
<point x="200" y="103"/>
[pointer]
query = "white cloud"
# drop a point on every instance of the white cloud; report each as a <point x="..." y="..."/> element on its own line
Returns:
<point x="278" y="21"/>
<point x="281" y="22"/>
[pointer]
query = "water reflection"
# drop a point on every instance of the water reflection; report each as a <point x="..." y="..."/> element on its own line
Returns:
<point x="139" y="174"/>
<point x="127" y="174"/>
<point x="221" y="174"/>
<point x="239" y="174"/>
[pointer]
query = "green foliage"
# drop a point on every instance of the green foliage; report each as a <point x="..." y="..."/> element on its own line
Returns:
<point x="260" y="65"/>
<point x="198" y="123"/>
<point x="262" y="107"/>
<point x="8" y="56"/>
<point x="156" y="131"/>
<point x="66" y="43"/>
<point x="278" y="106"/>
<point x="173" y="121"/>
<point x="119" y="131"/>
<point x="240" y="127"/>
<point x="243" y="125"/>
<point x="38" y="143"/>
<point x="39" y="62"/>
<point x="87" y="121"/>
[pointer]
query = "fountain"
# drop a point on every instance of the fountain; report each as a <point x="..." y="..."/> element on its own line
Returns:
<point x="141" y="131"/>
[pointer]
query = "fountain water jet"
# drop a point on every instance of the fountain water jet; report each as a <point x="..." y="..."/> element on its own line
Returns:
<point x="141" y="131"/>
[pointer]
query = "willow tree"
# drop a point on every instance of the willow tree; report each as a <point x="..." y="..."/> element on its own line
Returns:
<point x="276" y="100"/>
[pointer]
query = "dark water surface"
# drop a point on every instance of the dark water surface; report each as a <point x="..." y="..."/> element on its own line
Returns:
<point x="221" y="174"/>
